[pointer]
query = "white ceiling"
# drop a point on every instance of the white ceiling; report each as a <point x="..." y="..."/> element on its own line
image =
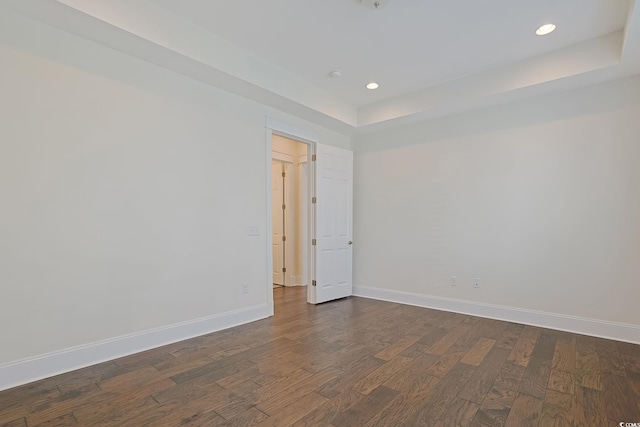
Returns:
<point x="431" y="57"/>
<point x="408" y="45"/>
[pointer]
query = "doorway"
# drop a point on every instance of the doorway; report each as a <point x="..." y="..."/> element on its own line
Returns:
<point x="326" y="177"/>
<point x="290" y="211"/>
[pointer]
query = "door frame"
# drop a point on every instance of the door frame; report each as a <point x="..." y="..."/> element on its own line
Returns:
<point x="275" y="127"/>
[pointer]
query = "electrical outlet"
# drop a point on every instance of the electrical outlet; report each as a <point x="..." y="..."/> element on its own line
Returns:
<point x="253" y="230"/>
<point x="453" y="281"/>
<point x="245" y="288"/>
<point x="476" y="283"/>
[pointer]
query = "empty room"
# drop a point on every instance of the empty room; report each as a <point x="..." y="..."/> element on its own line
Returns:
<point x="334" y="213"/>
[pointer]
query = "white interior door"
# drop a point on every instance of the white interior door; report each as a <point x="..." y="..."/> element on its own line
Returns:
<point x="334" y="223"/>
<point x="277" y="197"/>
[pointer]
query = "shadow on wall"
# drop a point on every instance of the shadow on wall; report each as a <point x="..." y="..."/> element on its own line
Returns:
<point x="145" y="73"/>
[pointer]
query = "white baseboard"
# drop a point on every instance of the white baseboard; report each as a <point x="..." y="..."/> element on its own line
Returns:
<point x="24" y="371"/>
<point x="580" y="325"/>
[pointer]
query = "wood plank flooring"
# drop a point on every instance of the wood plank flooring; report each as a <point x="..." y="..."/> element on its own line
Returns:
<point x="352" y="362"/>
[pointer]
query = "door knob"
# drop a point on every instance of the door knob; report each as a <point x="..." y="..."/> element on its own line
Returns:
<point x="349" y="242"/>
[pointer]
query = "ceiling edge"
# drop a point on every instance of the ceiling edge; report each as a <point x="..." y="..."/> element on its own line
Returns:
<point x="153" y="34"/>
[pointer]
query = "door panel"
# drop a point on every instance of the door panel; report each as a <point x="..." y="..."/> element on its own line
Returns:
<point x="276" y="203"/>
<point x="334" y="223"/>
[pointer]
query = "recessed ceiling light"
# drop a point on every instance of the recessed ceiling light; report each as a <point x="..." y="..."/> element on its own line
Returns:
<point x="373" y="85"/>
<point x="545" y="29"/>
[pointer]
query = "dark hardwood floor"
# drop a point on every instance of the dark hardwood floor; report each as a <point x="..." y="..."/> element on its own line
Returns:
<point x="352" y="362"/>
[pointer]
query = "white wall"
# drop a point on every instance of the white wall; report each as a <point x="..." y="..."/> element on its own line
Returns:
<point x="126" y="192"/>
<point x="539" y="199"/>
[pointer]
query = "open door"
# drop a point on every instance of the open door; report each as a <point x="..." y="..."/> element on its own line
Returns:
<point x="278" y="229"/>
<point x="334" y="223"/>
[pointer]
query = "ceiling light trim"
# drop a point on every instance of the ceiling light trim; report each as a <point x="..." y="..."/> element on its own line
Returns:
<point x="545" y="29"/>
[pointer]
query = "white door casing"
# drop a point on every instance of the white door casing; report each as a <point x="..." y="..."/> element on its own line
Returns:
<point x="334" y="223"/>
<point x="305" y="230"/>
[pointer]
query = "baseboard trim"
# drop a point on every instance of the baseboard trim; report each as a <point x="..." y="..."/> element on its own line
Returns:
<point x="580" y="325"/>
<point x="24" y="371"/>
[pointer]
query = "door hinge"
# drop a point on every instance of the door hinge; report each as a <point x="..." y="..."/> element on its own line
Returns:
<point x="313" y="283"/>
<point x="284" y="238"/>
<point x="313" y="158"/>
<point x="284" y="207"/>
<point x="313" y="200"/>
<point x="284" y="269"/>
<point x="313" y="242"/>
